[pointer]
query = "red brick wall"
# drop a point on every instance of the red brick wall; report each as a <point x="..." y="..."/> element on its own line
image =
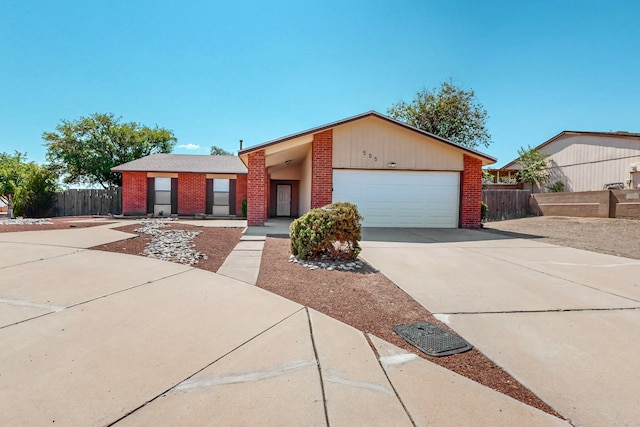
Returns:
<point x="471" y="193"/>
<point x="241" y="192"/>
<point x="257" y="189"/>
<point x="192" y="193"/>
<point x="134" y="193"/>
<point x="321" y="169"/>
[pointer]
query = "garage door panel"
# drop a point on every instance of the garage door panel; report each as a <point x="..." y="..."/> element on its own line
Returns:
<point x="400" y="198"/>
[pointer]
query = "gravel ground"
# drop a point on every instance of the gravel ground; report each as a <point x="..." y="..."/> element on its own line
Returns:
<point x="612" y="236"/>
<point x="214" y="242"/>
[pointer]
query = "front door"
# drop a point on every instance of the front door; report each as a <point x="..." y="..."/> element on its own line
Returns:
<point x="283" y="207"/>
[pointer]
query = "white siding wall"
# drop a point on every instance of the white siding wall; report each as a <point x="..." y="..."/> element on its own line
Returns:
<point x="586" y="163"/>
<point x="372" y="143"/>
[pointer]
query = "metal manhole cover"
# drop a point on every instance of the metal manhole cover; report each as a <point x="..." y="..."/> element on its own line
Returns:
<point x="432" y="339"/>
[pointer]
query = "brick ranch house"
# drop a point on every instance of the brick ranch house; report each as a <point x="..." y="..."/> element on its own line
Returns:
<point x="399" y="176"/>
<point x="182" y="184"/>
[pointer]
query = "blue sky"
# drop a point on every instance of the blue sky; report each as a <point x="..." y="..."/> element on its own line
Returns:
<point x="215" y="72"/>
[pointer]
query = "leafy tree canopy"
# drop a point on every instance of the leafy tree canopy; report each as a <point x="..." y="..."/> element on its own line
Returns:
<point x="533" y="166"/>
<point x="448" y="112"/>
<point x="14" y="171"/>
<point x="35" y="197"/>
<point x="217" y="151"/>
<point x="85" y="150"/>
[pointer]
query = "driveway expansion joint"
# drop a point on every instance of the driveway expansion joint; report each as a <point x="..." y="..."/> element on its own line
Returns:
<point x="384" y="366"/>
<point x="558" y="310"/>
<point x="315" y="354"/>
<point x="174" y="386"/>
<point x="554" y="276"/>
<point x="43" y="259"/>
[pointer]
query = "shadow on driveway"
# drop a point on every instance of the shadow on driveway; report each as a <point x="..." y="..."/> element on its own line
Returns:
<point x="437" y="235"/>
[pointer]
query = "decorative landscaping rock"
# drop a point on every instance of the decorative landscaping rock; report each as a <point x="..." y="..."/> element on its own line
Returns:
<point x="25" y="221"/>
<point x="170" y="245"/>
<point x="331" y="265"/>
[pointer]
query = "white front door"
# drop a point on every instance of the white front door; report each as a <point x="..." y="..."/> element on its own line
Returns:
<point x="283" y="207"/>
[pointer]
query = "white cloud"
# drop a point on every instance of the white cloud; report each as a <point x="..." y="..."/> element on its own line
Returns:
<point x="188" y="146"/>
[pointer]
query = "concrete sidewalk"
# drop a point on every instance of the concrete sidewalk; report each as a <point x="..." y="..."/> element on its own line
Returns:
<point x="97" y="338"/>
<point x="563" y="322"/>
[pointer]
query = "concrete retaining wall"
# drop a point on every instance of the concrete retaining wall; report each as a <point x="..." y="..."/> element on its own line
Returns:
<point x="626" y="203"/>
<point x="596" y="204"/>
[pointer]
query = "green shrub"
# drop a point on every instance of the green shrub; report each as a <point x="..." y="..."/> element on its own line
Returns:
<point x="330" y="232"/>
<point x="484" y="209"/>
<point x="35" y="197"/>
<point x="244" y="208"/>
<point x="556" y="187"/>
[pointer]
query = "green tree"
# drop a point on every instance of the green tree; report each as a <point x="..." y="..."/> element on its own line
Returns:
<point x="533" y="166"/>
<point x="14" y="170"/>
<point x="85" y="150"/>
<point x="217" y="151"/>
<point x="35" y="197"/>
<point x="448" y="112"/>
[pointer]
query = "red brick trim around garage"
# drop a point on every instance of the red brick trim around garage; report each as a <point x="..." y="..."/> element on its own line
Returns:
<point x="257" y="187"/>
<point x="471" y="193"/>
<point x="322" y="169"/>
<point x="134" y="193"/>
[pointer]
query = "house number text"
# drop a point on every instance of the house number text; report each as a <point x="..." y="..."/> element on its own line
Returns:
<point x="370" y="155"/>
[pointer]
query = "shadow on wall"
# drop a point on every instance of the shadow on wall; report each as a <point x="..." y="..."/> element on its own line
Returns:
<point x="554" y="176"/>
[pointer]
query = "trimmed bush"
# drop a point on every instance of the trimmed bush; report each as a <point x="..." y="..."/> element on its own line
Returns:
<point x="329" y="232"/>
<point x="244" y="208"/>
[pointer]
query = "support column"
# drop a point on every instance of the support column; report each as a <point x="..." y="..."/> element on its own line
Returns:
<point x="322" y="169"/>
<point x="471" y="186"/>
<point x="257" y="189"/>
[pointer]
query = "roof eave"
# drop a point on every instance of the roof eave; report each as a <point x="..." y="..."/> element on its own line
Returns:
<point x="487" y="160"/>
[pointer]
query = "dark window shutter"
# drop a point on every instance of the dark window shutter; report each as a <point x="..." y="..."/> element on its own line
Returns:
<point x="232" y="197"/>
<point x="151" y="194"/>
<point x="174" y="196"/>
<point x="209" y="206"/>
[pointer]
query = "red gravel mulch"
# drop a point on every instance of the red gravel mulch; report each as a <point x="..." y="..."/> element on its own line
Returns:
<point x="374" y="304"/>
<point x="216" y="242"/>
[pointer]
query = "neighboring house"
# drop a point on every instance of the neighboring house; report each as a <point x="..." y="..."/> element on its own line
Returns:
<point x="399" y="176"/>
<point x="181" y="184"/>
<point x="588" y="161"/>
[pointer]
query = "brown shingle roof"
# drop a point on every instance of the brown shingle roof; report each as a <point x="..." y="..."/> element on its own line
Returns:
<point x="184" y="163"/>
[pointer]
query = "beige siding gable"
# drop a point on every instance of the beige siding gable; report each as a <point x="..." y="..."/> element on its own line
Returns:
<point x="372" y="143"/>
<point x="572" y="150"/>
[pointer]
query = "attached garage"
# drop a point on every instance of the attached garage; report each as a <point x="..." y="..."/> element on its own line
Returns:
<point x="399" y="176"/>
<point x="401" y="198"/>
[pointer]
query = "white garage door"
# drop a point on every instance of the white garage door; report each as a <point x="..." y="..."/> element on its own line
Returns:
<point x="400" y="198"/>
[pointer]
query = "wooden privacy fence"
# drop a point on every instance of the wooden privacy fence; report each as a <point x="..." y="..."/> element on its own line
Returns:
<point x="506" y="204"/>
<point x="88" y="202"/>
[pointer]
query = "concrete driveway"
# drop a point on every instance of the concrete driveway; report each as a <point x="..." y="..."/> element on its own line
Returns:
<point x="562" y="321"/>
<point x="90" y="338"/>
